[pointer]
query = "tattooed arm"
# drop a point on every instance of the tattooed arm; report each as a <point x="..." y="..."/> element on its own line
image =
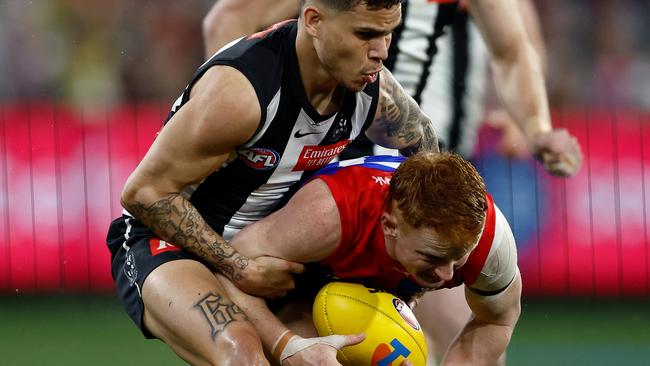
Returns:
<point x="399" y="122"/>
<point x="317" y="237"/>
<point x="196" y="142"/>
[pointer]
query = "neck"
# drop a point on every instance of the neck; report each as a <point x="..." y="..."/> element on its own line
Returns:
<point x="322" y="90"/>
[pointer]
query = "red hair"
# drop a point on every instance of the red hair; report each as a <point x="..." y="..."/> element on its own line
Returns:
<point x="442" y="191"/>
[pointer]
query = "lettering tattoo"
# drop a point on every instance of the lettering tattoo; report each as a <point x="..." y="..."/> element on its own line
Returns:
<point x="219" y="313"/>
<point x="401" y="118"/>
<point x="177" y="221"/>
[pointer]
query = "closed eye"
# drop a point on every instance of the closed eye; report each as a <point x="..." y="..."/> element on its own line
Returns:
<point x="368" y="34"/>
<point x="433" y="259"/>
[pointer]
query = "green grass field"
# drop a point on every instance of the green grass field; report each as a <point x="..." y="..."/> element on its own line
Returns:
<point x="83" y="330"/>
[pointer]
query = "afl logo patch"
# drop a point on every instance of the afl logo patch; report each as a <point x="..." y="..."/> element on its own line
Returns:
<point x="406" y="313"/>
<point x="260" y="158"/>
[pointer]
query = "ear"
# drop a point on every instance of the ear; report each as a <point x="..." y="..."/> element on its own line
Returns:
<point x="313" y="17"/>
<point x="389" y="224"/>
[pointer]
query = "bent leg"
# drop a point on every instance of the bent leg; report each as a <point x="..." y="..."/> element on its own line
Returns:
<point x="186" y="307"/>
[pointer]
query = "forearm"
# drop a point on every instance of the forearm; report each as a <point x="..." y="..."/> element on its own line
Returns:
<point x="479" y="343"/>
<point x="270" y="329"/>
<point x="267" y="325"/>
<point x="519" y="82"/>
<point x="174" y="219"/>
<point x="484" y="339"/>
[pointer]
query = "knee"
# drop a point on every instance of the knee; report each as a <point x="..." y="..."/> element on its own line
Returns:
<point x="238" y="344"/>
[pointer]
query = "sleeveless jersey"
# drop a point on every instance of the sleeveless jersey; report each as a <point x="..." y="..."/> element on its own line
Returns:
<point x="292" y="140"/>
<point x="359" y="188"/>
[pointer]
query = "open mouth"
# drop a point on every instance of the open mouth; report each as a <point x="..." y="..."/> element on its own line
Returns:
<point x="371" y="78"/>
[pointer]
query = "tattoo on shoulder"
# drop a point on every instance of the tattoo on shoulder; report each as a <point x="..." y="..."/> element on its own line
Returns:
<point x="176" y="220"/>
<point x="219" y="312"/>
<point x="401" y="117"/>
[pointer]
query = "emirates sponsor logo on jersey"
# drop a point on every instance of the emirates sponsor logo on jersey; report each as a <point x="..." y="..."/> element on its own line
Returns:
<point x="158" y="246"/>
<point x="260" y="158"/>
<point x="315" y="157"/>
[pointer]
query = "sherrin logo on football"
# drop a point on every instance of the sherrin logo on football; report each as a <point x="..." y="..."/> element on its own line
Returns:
<point x="392" y="331"/>
<point x="406" y="313"/>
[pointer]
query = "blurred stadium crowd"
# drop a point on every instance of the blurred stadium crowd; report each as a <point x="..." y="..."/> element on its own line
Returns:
<point x="101" y="51"/>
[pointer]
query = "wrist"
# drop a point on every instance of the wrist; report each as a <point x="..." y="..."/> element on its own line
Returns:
<point x="536" y="126"/>
<point x="281" y="343"/>
<point x="225" y="258"/>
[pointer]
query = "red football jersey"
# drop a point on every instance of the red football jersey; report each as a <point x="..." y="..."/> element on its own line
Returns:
<point x="360" y="192"/>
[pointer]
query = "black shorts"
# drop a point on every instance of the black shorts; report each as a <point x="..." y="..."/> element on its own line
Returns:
<point x="135" y="252"/>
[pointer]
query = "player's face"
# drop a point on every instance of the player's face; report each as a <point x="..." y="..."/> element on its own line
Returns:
<point x="429" y="259"/>
<point x="353" y="45"/>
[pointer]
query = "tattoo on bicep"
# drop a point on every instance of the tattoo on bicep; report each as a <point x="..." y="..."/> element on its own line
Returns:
<point x="401" y="118"/>
<point x="219" y="312"/>
<point x="429" y="142"/>
<point x="176" y="220"/>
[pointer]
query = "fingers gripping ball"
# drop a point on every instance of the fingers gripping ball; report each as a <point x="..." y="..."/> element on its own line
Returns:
<point x="392" y="331"/>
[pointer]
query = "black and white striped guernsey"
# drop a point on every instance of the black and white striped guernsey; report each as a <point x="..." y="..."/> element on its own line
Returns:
<point x="292" y="141"/>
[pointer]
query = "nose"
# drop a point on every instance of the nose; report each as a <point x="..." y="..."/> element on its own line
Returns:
<point x="445" y="272"/>
<point x="379" y="48"/>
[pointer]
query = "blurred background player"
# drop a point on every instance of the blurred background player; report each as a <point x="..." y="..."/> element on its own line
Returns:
<point x="231" y="19"/>
<point x="440" y="57"/>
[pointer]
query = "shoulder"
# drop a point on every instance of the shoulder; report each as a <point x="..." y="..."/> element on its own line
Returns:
<point x="359" y="174"/>
<point x="262" y="58"/>
<point x="272" y="40"/>
<point x="223" y="101"/>
<point x="500" y="266"/>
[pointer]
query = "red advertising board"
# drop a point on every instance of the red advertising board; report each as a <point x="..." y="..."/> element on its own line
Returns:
<point x="62" y="169"/>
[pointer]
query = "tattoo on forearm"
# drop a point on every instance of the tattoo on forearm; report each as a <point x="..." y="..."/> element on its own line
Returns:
<point x="219" y="313"/>
<point x="401" y="117"/>
<point x="174" y="219"/>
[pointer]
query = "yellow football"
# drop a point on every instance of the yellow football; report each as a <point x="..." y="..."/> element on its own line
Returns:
<point x="392" y="331"/>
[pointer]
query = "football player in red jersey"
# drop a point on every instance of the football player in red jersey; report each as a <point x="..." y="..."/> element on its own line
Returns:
<point x="408" y="226"/>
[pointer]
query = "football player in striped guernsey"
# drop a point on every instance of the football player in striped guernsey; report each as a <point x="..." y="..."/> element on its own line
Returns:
<point x="257" y="119"/>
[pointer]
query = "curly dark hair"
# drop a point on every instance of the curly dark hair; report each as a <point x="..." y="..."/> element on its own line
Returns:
<point x="344" y="5"/>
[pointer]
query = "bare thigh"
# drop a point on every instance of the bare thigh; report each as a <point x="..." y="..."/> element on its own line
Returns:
<point x="185" y="307"/>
